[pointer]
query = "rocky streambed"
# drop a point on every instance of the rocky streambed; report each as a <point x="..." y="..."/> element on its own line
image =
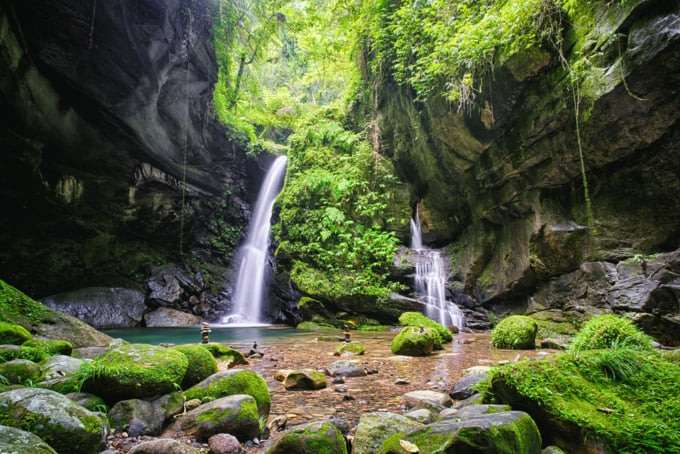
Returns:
<point x="387" y="378"/>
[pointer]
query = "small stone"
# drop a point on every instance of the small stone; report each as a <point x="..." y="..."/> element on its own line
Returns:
<point x="401" y="381"/>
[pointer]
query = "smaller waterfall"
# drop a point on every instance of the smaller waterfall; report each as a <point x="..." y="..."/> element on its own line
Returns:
<point x="430" y="281"/>
<point x="251" y="283"/>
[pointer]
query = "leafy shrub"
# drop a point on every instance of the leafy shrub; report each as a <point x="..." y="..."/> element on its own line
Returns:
<point x="608" y="331"/>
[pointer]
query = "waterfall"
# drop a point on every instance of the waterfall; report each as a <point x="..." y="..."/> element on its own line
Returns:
<point x="430" y="281"/>
<point x="249" y="292"/>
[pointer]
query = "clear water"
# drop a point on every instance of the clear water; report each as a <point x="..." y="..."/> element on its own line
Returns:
<point x="236" y="335"/>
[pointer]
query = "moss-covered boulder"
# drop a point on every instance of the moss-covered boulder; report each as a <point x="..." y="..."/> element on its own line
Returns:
<point x="237" y="415"/>
<point x="608" y="331"/>
<point x="412" y="341"/>
<point x="510" y="432"/>
<point x="129" y="371"/>
<point x="232" y="382"/>
<point x="418" y="319"/>
<point x="64" y="425"/>
<point x="20" y="371"/>
<point x="350" y="348"/>
<point x="13" y="440"/>
<point x="619" y="400"/>
<point x="18" y="308"/>
<point x="202" y="364"/>
<point x="375" y="427"/>
<point x="226" y="354"/>
<point x="517" y="332"/>
<point x="317" y="437"/>
<point x="13" y="334"/>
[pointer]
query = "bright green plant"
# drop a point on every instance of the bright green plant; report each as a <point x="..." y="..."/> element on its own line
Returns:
<point x="609" y="331"/>
<point x="332" y="220"/>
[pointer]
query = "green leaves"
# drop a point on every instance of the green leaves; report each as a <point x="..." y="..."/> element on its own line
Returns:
<point x="332" y="222"/>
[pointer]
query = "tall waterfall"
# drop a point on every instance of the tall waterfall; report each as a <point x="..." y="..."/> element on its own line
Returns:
<point x="252" y="255"/>
<point x="430" y="281"/>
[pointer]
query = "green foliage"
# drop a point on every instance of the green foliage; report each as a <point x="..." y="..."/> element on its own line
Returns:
<point x="224" y="235"/>
<point x="638" y="389"/>
<point x="608" y="331"/>
<point x="332" y="220"/>
<point x="447" y="48"/>
<point x="515" y="332"/>
<point x="278" y="62"/>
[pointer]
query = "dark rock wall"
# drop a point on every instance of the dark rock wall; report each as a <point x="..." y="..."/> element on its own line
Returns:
<point x="106" y="105"/>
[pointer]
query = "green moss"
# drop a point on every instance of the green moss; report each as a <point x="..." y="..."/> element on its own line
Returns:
<point x="51" y="347"/>
<point x="639" y="389"/>
<point x="224" y="353"/>
<point x="202" y="364"/>
<point x="607" y="331"/>
<point x="322" y="438"/>
<point x="418" y="319"/>
<point x="134" y="371"/>
<point x="16" y="307"/>
<point x="515" y="332"/>
<point x="230" y="383"/>
<point x="414" y="341"/>
<point x="13" y="334"/>
<point x="20" y="371"/>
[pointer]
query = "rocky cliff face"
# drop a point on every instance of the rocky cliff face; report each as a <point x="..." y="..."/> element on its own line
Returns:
<point x="111" y="160"/>
<point x="501" y="186"/>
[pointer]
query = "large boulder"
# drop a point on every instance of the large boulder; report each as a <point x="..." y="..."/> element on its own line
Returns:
<point x="63" y="424"/>
<point x="202" y="364"/>
<point x="13" y="440"/>
<point x="510" y="432"/>
<point x="129" y="371"/>
<point x="232" y="382"/>
<point x="137" y="417"/>
<point x="596" y="400"/>
<point x="101" y="307"/>
<point x="163" y="446"/>
<point x="236" y="414"/>
<point x="19" y="371"/>
<point x="166" y="317"/>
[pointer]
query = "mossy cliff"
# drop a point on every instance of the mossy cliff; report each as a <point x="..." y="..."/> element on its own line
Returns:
<point x="499" y="180"/>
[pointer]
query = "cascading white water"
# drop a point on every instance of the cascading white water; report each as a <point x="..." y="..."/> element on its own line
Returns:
<point x="430" y="281"/>
<point x="252" y="255"/>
